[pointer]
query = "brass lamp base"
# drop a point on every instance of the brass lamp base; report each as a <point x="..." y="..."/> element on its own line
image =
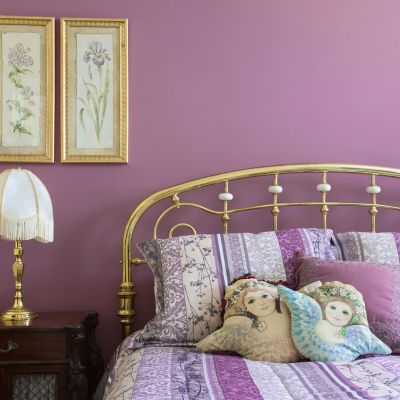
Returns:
<point x="18" y="314"/>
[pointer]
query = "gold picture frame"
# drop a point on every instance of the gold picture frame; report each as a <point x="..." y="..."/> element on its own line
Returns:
<point x="94" y="90"/>
<point x="26" y="89"/>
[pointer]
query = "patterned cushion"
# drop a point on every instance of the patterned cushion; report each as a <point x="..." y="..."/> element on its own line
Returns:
<point x="191" y="273"/>
<point x="256" y="324"/>
<point x="366" y="246"/>
<point x="329" y="324"/>
<point x="379" y="283"/>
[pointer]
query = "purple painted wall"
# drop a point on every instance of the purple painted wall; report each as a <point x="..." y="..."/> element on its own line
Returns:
<point x="214" y="85"/>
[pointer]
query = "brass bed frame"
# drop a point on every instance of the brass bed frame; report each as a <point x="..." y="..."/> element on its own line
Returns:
<point x="126" y="291"/>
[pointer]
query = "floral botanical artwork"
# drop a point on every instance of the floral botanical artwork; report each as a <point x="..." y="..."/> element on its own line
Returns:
<point x="94" y="92"/>
<point x="94" y="103"/>
<point x="21" y="89"/>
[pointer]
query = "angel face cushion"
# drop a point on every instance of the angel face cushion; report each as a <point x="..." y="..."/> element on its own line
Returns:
<point x="330" y="323"/>
<point x="256" y="324"/>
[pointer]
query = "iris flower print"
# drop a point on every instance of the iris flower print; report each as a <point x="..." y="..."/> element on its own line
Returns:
<point x="94" y="105"/>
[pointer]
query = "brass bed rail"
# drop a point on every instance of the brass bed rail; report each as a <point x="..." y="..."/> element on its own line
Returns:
<point x="126" y="292"/>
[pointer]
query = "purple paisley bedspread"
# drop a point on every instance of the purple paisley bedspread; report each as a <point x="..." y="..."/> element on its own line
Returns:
<point x="161" y="373"/>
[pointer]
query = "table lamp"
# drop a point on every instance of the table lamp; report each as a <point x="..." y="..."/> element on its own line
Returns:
<point x="26" y="213"/>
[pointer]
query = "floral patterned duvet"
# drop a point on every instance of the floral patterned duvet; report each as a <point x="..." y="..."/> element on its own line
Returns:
<point x="161" y="373"/>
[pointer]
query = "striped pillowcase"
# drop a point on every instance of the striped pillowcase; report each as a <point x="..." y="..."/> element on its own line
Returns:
<point x="192" y="272"/>
<point x="383" y="248"/>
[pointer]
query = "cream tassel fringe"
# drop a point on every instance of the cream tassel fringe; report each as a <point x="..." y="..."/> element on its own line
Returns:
<point x="27" y="228"/>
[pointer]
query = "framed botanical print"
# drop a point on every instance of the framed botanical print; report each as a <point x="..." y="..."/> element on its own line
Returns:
<point x="94" y="90"/>
<point x="26" y="89"/>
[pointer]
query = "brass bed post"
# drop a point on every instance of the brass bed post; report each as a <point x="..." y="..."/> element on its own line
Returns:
<point x="126" y="291"/>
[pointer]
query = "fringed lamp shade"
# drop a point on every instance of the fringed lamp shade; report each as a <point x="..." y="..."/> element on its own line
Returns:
<point x="26" y="213"/>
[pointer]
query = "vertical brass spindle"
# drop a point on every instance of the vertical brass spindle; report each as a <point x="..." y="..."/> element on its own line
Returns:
<point x="373" y="190"/>
<point x="275" y="209"/>
<point x="324" y="208"/>
<point x="225" y="197"/>
<point x="275" y="189"/>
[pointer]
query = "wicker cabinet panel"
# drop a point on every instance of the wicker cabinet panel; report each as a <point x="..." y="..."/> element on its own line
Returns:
<point x="34" y="387"/>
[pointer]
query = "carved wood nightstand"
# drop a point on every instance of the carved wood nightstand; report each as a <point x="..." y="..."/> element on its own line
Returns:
<point x="55" y="357"/>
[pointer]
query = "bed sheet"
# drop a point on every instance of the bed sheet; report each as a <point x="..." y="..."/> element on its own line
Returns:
<point x="162" y="373"/>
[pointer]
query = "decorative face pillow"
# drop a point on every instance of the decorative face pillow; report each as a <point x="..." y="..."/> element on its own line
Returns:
<point x="379" y="283"/>
<point x="256" y="324"/>
<point x="330" y="323"/>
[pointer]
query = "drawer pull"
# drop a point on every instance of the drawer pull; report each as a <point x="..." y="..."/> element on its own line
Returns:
<point x="10" y="347"/>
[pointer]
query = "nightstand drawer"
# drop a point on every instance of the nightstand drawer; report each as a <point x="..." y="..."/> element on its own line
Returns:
<point x="35" y="345"/>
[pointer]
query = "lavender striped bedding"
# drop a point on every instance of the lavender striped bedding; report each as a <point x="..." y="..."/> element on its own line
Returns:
<point x="162" y="373"/>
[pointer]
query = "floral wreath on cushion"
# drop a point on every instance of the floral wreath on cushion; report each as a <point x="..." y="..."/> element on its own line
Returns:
<point x="331" y="291"/>
<point x="234" y="298"/>
<point x="330" y="324"/>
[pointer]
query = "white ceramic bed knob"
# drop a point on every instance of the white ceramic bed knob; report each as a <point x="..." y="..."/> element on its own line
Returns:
<point x="373" y="189"/>
<point x="324" y="187"/>
<point x="225" y="196"/>
<point x="275" y="189"/>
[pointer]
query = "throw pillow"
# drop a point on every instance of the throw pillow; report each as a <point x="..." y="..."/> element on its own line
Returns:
<point x="330" y="324"/>
<point x="379" y="283"/>
<point x="256" y="324"/>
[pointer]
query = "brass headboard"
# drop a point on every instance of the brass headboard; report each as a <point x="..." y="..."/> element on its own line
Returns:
<point x="126" y="292"/>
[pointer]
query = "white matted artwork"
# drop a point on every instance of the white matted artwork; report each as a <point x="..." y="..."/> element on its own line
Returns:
<point x="94" y="90"/>
<point x="26" y="89"/>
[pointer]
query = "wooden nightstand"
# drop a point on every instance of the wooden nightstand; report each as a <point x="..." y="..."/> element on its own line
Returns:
<point x="55" y="357"/>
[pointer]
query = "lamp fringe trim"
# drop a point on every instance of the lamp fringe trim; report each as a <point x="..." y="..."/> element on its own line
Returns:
<point x="33" y="227"/>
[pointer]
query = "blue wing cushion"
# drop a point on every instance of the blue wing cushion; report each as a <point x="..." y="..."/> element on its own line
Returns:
<point x="331" y="325"/>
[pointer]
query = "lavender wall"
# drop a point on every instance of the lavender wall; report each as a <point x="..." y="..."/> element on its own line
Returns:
<point x="214" y="85"/>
